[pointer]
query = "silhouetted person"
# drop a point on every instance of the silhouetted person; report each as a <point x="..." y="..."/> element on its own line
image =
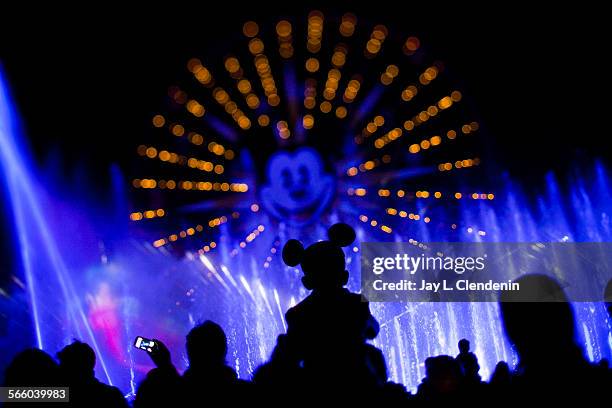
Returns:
<point x="551" y="366"/>
<point x="162" y="387"/>
<point x="77" y="362"/>
<point x="329" y="328"/>
<point x="501" y="378"/>
<point x="443" y="381"/>
<point x="207" y="381"/>
<point x="282" y="373"/>
<point x="32" y="368"/>
<point x="468" y="362"/>
<point x="206" y="351"/>
<point x="385" y="393"/>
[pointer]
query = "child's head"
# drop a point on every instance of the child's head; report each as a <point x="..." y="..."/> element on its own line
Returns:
<point x="323" y="262"/>
<point x="464" y="345"/>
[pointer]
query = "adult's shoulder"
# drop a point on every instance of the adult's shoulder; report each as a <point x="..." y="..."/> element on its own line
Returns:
<point x="292" y="315"/>
<point x="111" y="395"/>
<point x="358" y="299"/>
<point x="298" y="310"/>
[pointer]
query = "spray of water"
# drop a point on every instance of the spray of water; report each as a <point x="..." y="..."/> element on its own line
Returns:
<point x="141" y="290"/>
<point x="37" y="244"/>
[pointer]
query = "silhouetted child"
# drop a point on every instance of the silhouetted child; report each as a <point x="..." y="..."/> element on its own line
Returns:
<point x="468" y="362"/>
<point x="328" y="330"/>
<point x="77" y="362"/>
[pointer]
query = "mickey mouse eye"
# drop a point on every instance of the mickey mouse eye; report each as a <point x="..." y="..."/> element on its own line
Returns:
<point x="286" y="178"/>
<point x="304" y="175"/>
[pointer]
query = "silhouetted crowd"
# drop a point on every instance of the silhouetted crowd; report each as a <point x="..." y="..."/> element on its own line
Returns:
<point x="325" y="356"/>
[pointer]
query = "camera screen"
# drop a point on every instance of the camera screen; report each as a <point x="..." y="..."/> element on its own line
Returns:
<point x="144" y="344"/>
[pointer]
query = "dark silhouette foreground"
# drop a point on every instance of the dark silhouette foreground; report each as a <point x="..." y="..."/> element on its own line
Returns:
<point x="552" y="367"/>
<point x="327" y="332"/>
<point x="208" y="377"/>
<point x="76" y="364"/>
<point x="35" y="368"/>
<point x="325" y="356"/>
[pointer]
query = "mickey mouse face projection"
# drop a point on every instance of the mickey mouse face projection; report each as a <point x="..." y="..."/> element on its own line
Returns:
<point x="298" y="191"/>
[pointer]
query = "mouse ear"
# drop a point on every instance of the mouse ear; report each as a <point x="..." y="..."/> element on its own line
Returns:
<point x="293" y="252"/>
<point x="341" y="234"/>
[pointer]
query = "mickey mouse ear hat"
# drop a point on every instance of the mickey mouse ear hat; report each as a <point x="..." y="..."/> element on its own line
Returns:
<point x="293" y="252"/>
<point x="341" y="234"/>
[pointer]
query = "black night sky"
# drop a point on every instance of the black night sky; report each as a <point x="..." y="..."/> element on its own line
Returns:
<point x="86" y="81"/>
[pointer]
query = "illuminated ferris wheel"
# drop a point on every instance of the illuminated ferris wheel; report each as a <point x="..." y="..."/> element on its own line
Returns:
<point x="301" y="121"/>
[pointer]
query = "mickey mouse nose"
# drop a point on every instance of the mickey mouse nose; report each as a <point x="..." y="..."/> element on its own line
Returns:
<point x="298" y="194"/>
